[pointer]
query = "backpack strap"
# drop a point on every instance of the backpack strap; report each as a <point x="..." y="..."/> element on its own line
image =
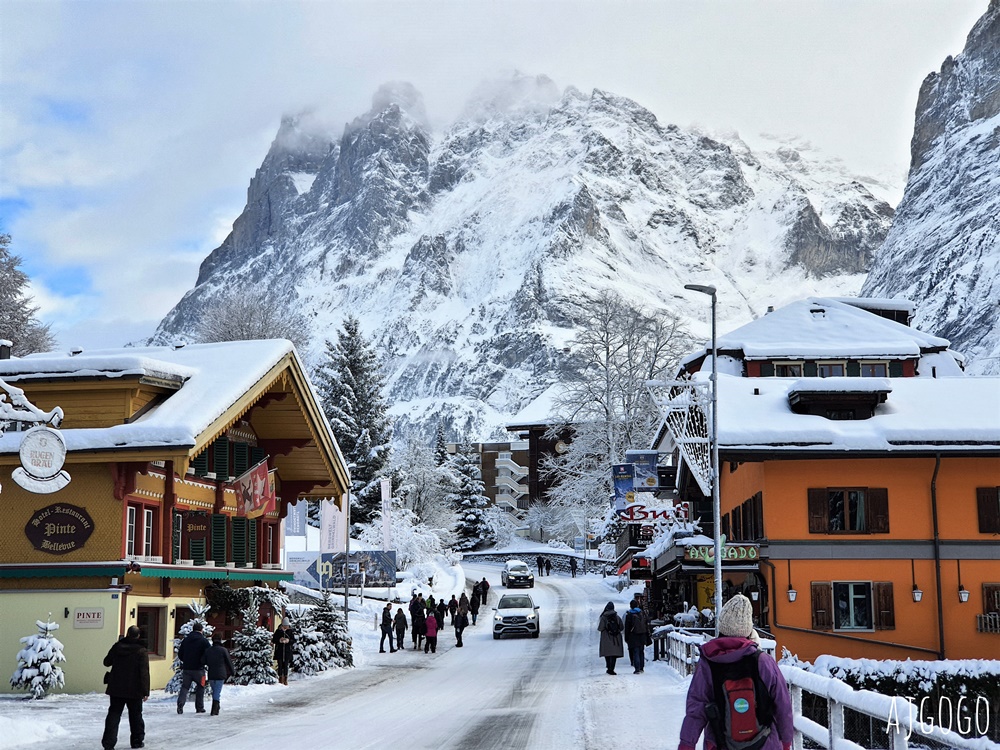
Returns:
<point x="765" y="703"/>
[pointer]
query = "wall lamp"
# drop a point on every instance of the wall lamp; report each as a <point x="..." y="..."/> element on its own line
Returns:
<point x="917" y="593"/>
<point x="792" y="593"/>
<point x="963" y="594"/>
<point x="132" y="613"/>
<point x="65" y="611"/>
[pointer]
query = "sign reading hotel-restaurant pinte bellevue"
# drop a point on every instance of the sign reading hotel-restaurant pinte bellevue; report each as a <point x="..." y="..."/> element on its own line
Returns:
<point x="59" y="528"/>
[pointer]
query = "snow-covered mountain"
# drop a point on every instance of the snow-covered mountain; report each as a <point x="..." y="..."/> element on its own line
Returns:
<point x="462" y="252"/>
<point x="943" y="250"/>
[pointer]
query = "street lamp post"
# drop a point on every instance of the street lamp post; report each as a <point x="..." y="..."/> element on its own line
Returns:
<point x="714" y="441"/>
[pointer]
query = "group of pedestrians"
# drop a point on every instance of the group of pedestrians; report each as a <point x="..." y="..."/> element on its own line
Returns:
<point x="427" y="618"/>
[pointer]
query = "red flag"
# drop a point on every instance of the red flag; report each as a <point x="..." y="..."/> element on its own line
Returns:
<point x="256" y="491"/>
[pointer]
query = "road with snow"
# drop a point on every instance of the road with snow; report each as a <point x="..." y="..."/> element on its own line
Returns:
<point x="511" y="694"/>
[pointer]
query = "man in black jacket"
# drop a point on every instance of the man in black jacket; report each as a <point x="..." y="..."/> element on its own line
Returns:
<point x="128" y="685"/>
<point x="386" y="629"/>
<point x="220" y="668"/>
<point x="192" y="655"/>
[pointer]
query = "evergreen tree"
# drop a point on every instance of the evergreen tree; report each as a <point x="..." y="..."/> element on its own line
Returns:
<point x="471" y="527"/>
<point x="18" y="321"/>
<point x="350" y="385"/>
<point x="313" y="652"/>
<point x="329" y="620"/>
<point x="37" y="663"/>
<point x="440" y="446"/>
<point x="200" y="613"/>
<point x="252" y="653"/>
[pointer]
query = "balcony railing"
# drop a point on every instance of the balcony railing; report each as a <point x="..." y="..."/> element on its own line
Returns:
<point x="988" y="623"/>
<point x="144" y="558"/>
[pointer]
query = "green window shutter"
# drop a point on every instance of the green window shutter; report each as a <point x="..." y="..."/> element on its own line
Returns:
<point x="200" y="464"/>
<point x="252" y="543"/>
<point x="241" y="459"/>
<point x="219" y="539"/>
<point x="809" y="371"/>
<point x="853" y="369"/>
<point x="767" y="369"/>
<point x="197" y="549"/>
<point x="895" y="369"/>
<point x="220" y="457"/>
<point x="176" y="527"/>
<point x="240" y="541"/>
<point x="256" y="455"/>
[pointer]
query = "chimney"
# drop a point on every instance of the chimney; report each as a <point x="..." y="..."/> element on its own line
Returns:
<point x="770" y="309"/>
<point x="5" y="346"/>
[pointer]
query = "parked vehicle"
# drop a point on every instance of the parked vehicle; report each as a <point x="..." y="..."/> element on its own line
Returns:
<point x="517" y="573"/>
<point x="516" y="614"/>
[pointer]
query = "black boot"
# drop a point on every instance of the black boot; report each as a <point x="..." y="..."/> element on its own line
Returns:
<point x="215" y="708"/>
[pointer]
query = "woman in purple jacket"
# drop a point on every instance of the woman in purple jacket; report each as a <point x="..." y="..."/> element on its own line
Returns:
<point x="737" y="639"/>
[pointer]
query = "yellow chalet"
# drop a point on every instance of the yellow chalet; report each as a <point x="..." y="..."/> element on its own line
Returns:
<point x="158" y="440"/>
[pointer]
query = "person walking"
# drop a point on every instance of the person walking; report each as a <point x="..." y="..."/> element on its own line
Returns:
<point x="572" y="567"/>
<point x="128" y="686"/>
<point x="610" y="626"/>
<point x="284" y="649"/>
<point x="399" y="622"/>
<point x="453" y="607"/>
<point x="548" y="567"/>
<point x="637" y="636"/>
<point x="474" y="605"/>
<point x="463" y="603"/>
<point x="735" y="653"/>
<point x="541" y="565"/>
<point x="432" y="634"/>
<point x="220" y="668"/>
<point x="442" y="610"/>
<point x="192" y="656"/>
<point x="461" y="622"/>
<point x="419" y="625"/>
<point x="484" y="587"/>
<point x="386" y="629"/>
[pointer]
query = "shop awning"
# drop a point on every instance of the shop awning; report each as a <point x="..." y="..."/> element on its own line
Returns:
<point x="625" y="567"/>
<point x="62" y="570"/>
<point x="210" y="572"/>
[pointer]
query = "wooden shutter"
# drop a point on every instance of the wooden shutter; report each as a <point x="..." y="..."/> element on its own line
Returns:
<point x="991" y="598"/>
<point x="737" y="525"/>
<point x="725" y="526"/>
<point x="197" y="549"/>
<point x="895" y="369"/>
<point x="200" y="464"/>
<point x="220" y="458"/>
<point x="885" y="613"/>
<point x="240" y="541"/>
<point x="176" y="527"/>
<point x="822" y="605"/>
<point x="809" y="370"/>
<point x="219" y="524"/>
<point x="252" y="542"/>
<point x="767" y="369"/>
<point x="877" y="510"/>
<point x="819" y="510"/>
<point x="853" y="369"/>
<point x="257" y="455"/>
<point x="758" y="510"/>
<point x="241" y="459"/>
<point x="988" y="500"/>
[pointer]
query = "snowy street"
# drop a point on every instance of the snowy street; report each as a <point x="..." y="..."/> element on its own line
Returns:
<point x="549" y="692"/>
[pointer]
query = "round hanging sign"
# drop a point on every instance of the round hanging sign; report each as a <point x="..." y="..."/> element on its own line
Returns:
<point x="43" y="452"/>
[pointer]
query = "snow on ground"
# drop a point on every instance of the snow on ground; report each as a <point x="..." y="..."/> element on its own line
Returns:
<point x="549" y="692"/>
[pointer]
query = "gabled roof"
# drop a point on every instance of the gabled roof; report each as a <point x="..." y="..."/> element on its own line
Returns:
<point x="947" y="415"/>
<point x="826" y="328"/>
<point x="216" y="385"/>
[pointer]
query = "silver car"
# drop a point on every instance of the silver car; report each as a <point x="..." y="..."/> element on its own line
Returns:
<point x="515" y="614"/>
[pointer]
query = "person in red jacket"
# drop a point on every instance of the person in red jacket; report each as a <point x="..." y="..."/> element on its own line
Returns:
<point x="432" y="635"/>
<point x="128" y="685"/>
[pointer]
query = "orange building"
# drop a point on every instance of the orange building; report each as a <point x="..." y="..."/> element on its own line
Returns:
<point x="154" y="513"/>
<point x="869" y="496"/>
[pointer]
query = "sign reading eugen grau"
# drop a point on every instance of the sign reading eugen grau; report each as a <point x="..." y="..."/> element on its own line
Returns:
<point x="59" y="528"/>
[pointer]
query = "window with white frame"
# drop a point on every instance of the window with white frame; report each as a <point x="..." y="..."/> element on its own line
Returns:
<point x="147" y="531"/>
<point x="130" y="530"/>
<point x="852" y="605"/>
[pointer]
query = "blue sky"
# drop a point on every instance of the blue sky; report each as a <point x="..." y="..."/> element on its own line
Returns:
<point x="130" y="130"/>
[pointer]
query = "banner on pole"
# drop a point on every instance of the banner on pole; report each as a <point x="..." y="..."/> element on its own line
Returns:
<point x="332" y="532"/>
<point x="622" y="479"/>
<point x="295" y="521"/>
<point x="255" y="490"/>
<point x="386" y="514"/>
<point x="644" y="476"/>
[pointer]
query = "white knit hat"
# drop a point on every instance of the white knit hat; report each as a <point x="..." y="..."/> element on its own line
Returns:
<point x="736" y="618"/>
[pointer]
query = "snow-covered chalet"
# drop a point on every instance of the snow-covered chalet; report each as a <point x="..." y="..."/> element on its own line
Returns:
<point x="159" y="444"/>
<point x="859" y="474"/>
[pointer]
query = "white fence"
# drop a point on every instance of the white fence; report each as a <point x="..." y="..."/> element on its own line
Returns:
<point x="906" y="730"/>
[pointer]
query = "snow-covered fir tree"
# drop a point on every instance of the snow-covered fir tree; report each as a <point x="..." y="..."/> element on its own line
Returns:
<point x="471" y="528"/>
<point x="312" y="653"/>
<point x="18" y="314"/>
<point x="329" y="620"/>
<point x="350" y="384"/>
<point x="252" y="649"/>
<point x="200" y="612"/>
<point x="38" y="669"/>
<point x="440" y="446"/>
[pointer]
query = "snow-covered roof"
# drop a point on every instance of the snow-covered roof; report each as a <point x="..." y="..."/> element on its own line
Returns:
<point x="920" y="414"/>
<point x="541" y="411"/>
<point x="821" y="327"/>
<point x="212" y="378"/>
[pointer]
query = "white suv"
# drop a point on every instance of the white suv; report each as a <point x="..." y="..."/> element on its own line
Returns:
<point x="515" y="614"/>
